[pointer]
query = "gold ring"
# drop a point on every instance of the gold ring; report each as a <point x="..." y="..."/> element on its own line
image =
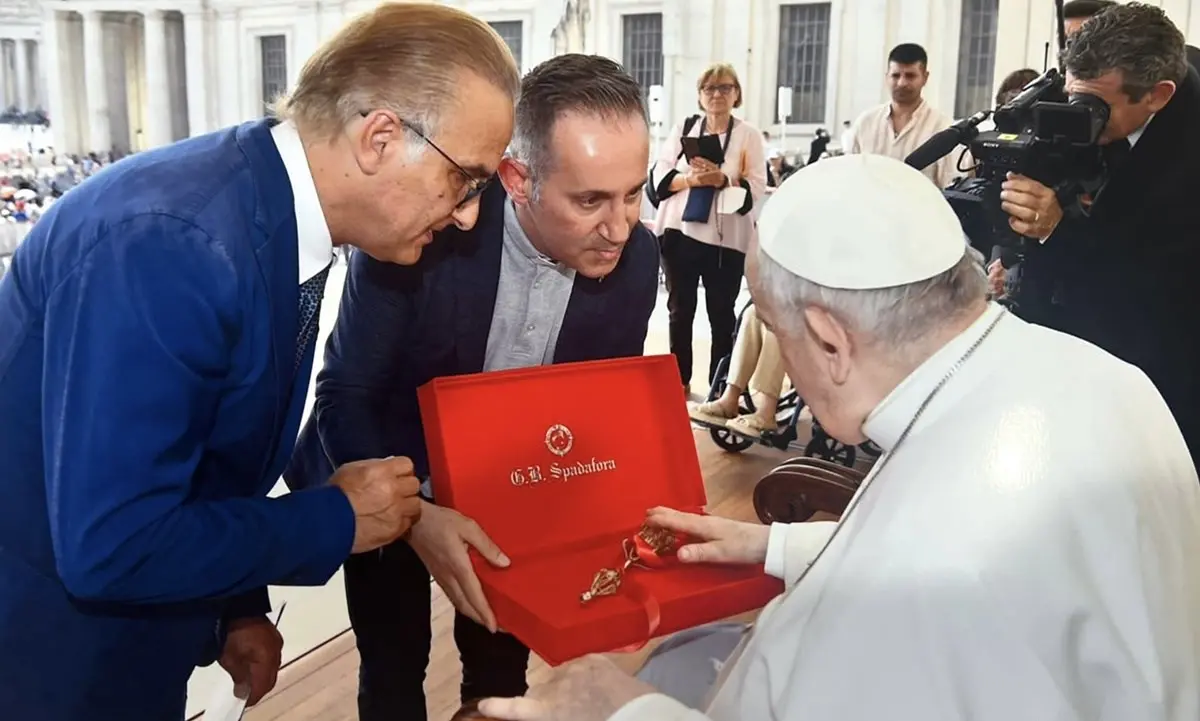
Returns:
<point x="1036" y="216"/>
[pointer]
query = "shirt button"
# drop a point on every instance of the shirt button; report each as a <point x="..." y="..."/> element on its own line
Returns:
<point x="529" y="327"/>
<point x="537" y="284"/>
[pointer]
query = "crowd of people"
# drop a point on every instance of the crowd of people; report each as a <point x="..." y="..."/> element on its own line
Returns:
<point x="31" y="180"/>
<point x="1024" y="548"/>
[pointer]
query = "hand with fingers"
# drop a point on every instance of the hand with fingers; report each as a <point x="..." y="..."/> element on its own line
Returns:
<point x="717" y="540"/>
<point x="1032" y="208"/>
<point x="442" y="539"/>
<point x="590" y="689"/>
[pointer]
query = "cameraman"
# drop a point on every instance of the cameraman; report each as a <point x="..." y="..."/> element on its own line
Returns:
<point x="1123" y="276"/>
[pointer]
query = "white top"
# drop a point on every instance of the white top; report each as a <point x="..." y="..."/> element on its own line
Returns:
<point x="312" y="232"/>
<point x="1029" y="553"/>
<point x="744" y="158"/>
<point x="860" y="222"/>
<point x="873" y="133"/>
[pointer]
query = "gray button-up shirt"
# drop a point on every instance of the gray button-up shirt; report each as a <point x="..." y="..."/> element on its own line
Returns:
<point x="531" y="301"/>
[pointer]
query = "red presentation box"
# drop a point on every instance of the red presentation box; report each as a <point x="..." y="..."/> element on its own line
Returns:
<point x="558" y="464"/>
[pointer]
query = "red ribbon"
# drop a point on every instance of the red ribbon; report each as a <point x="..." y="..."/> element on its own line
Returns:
<point x="652" y="559"/>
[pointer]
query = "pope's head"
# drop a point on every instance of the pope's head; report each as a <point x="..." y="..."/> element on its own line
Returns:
<point x="862" y="271"/>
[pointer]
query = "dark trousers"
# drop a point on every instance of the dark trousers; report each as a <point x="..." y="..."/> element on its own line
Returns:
<point x="687" y="262"/>
<point x="389" y="599"/>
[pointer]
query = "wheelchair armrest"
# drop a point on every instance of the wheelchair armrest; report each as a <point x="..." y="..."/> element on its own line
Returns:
<point x="793" y="492"/>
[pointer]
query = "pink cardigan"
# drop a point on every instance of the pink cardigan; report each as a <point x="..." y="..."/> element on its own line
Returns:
<point x="744" y="158"/>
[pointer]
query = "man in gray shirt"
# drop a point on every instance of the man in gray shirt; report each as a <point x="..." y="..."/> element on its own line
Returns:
<point x="555" y="268"/>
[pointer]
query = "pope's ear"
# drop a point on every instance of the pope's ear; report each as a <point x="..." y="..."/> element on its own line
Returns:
<point x="832" y="339"/>
<point x="516" y="179"/>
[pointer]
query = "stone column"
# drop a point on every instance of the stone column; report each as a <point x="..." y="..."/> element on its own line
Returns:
<point x="230" y="44"/>
<point x="5" y="101"/>
<point x="99" y="129"/>
<point x="24" y="100"/>
<point x="194" y="25"/>
<point x="53" y="103"/>
<point x="308" y="38"/>
<point x="158" y="92"/>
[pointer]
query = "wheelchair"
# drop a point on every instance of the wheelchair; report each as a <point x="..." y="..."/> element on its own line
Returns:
<point x="787" y="414"/>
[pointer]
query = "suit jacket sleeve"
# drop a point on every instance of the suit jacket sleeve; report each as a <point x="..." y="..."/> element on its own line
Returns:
<point x="138" y="337"/>
<point x="366" y="405"/>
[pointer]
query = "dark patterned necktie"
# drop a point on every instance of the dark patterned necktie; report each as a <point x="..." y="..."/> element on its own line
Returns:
<point x="311" y="293"/>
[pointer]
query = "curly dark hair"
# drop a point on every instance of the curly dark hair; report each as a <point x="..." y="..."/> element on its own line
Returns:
<point x="1136" y="39"/>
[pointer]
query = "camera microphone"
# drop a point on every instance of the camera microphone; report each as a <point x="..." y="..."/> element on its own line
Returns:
<point x="945" y="141"/>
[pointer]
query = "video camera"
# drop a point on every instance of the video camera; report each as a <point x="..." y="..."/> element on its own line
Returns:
<point x="1044" y="134"/>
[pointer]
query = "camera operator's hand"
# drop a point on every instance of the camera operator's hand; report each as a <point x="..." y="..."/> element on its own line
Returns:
<point x="1033" y="208"/>
<point x="995" y="273"/>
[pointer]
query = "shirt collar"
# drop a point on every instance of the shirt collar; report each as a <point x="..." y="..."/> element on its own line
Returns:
<point x="520" y="239"/>
<point x="1137" y="134"/>
<point x="889" y="419"/>
<point x="312" y="231"/>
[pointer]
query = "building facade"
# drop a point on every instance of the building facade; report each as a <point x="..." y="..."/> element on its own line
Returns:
<point x="132" y="74"/>
<point x="22" y="83"/>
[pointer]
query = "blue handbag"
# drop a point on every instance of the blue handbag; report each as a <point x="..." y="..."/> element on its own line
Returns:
<point x="699" y="202"/>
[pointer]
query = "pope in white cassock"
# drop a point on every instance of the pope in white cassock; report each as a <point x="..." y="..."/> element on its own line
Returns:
<point x="1026" y="548"/>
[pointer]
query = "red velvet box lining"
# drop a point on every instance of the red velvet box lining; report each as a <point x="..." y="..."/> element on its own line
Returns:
<point x="605" y="440"/>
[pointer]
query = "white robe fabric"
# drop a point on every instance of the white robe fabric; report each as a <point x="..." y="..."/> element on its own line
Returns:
<point x="1031" y="551"/>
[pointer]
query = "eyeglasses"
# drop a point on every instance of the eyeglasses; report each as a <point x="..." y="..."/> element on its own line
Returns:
<point x="474" y="186"/>
<point x="724" y="89"/>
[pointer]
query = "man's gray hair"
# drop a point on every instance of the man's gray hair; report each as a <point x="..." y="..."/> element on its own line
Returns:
<point x="573" y="83"/>
<point x="1137" y="39"/>
<point x="894" y="318"/>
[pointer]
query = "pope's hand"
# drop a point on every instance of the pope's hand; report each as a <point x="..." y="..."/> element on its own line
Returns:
<point x="252" y="654"/>
<point x="590" y="689"/>
<point x="441" y="540"/>
<point x="721" y="540"/>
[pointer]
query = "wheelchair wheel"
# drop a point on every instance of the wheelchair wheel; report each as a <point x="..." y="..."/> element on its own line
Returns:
<point x="825" y="447"/>
<point x="727" y="440"/>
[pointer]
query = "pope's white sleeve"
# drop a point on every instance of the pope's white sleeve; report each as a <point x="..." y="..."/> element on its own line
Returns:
<point x="794" y="546"/>
<point x="656" y="707"/>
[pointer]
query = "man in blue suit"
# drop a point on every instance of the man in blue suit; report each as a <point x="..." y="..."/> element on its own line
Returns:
<point x="557" y="269"/>
<point x="156" y="344"/>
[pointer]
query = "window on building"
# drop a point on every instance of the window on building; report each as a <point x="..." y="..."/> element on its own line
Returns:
<point x="976" y="56"/>
<point x="511" y="31"/>
<point x="641" y="36"/>
<point x="804" y="59"/>
<point x="274" y="67"/>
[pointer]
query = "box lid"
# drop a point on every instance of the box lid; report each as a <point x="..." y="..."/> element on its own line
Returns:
<point x="545" y="458"/>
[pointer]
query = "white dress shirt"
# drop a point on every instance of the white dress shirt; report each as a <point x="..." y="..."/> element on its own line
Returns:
<point x="312" y="232"/>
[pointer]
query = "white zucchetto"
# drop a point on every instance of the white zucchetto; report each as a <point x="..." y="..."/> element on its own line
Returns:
<point x="861" y="222"/>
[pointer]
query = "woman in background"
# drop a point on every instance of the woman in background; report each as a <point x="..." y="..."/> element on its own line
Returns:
<point x="704" y="220"/>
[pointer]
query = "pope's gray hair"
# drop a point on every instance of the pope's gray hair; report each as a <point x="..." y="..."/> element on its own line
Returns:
<point x="895" y="318"/>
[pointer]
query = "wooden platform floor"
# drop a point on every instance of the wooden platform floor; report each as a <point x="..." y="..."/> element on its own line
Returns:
<point x="321" y="685"/>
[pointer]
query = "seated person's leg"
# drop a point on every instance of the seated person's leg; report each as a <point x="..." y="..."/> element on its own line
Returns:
<point x="765" y="387"/>
<point x="686" y="665"/>
<point x="741" y="366"/>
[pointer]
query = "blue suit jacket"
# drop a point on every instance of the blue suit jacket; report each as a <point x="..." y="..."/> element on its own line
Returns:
<point x="148" y="401"/>
<point x="399" y="327"/>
